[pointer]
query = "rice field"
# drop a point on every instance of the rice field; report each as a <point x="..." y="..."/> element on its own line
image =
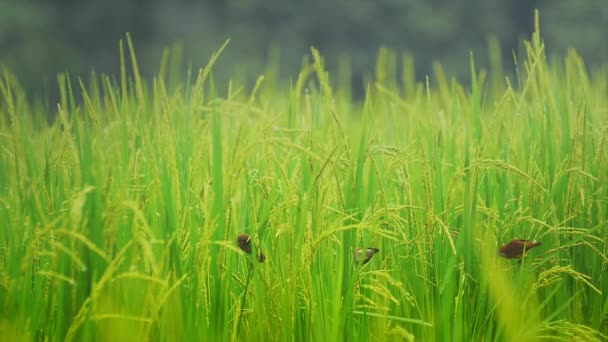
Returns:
<point x="377" y="220"/>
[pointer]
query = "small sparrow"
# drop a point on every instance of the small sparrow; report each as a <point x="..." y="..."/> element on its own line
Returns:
<point x="244" y="242"/>
<point x="369" y="253"/>
<point x="517" y="247"/>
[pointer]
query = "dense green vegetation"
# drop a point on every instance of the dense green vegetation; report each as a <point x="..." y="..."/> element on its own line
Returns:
<point x="120" y="215"/>
<point x="39" y="39"/>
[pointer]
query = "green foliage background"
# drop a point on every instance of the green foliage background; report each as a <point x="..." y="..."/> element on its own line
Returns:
<point x="38" y="39"/>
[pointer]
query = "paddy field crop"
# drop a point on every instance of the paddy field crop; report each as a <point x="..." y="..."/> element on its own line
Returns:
<point x="121" y="205"/>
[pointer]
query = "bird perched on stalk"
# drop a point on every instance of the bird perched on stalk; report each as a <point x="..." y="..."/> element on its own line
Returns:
<point x="517" y="248"/>
<point x="368" y="253"/>
<point x="244" y="243"/>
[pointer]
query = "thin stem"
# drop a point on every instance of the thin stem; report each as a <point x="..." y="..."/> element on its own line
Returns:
<point x="238" y="324"/>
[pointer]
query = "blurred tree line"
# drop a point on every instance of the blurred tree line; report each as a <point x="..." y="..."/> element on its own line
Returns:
<point x="40" y="38"/>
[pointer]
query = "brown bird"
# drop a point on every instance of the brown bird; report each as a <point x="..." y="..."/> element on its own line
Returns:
<point x="244" y="242"/>
<point x="517" y="248"/>
<point x="369" y="253"/>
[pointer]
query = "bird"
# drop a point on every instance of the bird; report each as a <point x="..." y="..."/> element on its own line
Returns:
<point x="369" y="253"/>
<point x="517" y="248"/>
<point x="244" y="243"/>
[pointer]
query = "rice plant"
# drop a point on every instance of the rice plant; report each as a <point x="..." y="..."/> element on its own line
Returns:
<point x="123" y="211"/>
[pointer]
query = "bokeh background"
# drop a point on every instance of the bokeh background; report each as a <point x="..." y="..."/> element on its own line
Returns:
<point x="40" y="38"/>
